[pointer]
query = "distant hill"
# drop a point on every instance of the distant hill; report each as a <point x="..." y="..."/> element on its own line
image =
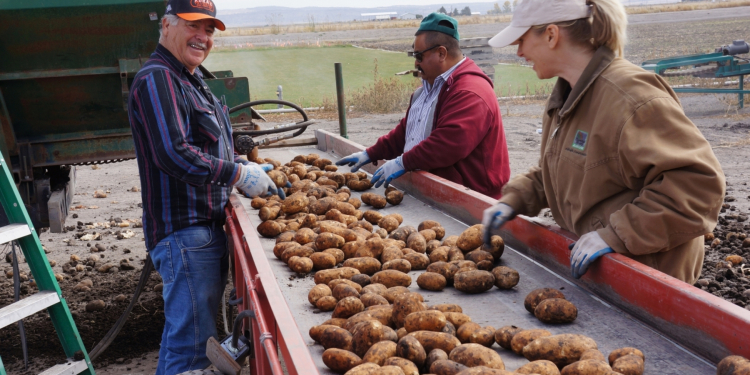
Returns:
<point x="282" y="15"/>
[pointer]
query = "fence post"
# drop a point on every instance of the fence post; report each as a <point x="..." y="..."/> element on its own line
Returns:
<point x="280" y="96"/>
<point x="340" y="97"/>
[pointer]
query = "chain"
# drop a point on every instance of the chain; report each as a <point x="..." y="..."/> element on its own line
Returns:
<point x="101" y="161"/>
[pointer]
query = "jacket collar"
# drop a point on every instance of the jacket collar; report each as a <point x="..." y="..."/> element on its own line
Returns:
<point x="601" y="60"/>
<point x="468" y="66"/>
<point x="175" y="65"/>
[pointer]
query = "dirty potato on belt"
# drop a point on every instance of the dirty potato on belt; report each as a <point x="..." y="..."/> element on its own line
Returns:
<point x="523" y="338"/>
<point x="541" y="367"/>
<point x="407" y="366"/>
<point x="365" y="265"/>
<point x="418" y="261"/>
<point x="348" y="307"/>
<point x="367" y="334"/>
<point x="391" y="278"/>
<point x="504" y="334"/>
<point x="333" y="283"/>
<point x="316" y="331"/>
<point x="436" y="340"/>
<point x="340" y="360"/>
<point x="431" y="281"/>
<point x="538" y="295"/>
<point x="405" y="304"/>
<point x="401" y="265"/>
<point x="269" y="229"/>
<point x="562" y="350"/>
<point x="389" y="223"/>
<point x="446" y="367"/>
<point x="317" y="292"/>
<point x="394" y="197"/>
<point x="416" y="242"/>
<point x="427" y="320"/>
<point x="295" y="203"/>
<point x="456" y="318"/>
<point x="363" y="369"/>
<point x="327" y="303"/>
<point x="300" y="264"/>
<point x="323" y="261"/>
<point x="472" y="355"/>
<point x="278" y="177"/>
<point x="409" y="347"/>
<point x="370" y="299"/>
<point x="505" y="277"/>
<point x="484" y="336"/>
<point x="496" y="247"/>
<point x="556" y="310"/>
<point x="444" y="268"/>
<point x="630" y="364"/>
<point x="341" y="291"/>
<point x="471" y="238"/>
<point x="617" y="353"/>
<point x="476" y="281"/>
<point x="587" y="367"/>
<point x="335" y="337"/>
<point x="379" y="352"/>
<point x="328" y="240"/>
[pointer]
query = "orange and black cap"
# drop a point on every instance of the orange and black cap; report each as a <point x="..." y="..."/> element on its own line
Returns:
<point x="194" y="10"/>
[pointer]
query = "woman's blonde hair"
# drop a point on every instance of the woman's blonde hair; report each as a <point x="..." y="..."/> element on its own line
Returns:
<point x="606" y="26"/>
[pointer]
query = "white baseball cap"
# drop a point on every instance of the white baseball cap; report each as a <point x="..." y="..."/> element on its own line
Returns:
<point x="530" y="13"/>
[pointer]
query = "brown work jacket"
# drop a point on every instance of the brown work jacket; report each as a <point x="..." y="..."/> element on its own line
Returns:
<point x="620" y="157"/>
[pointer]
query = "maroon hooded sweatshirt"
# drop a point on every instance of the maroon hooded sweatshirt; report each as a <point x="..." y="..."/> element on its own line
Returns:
<point x="467" y="142"/>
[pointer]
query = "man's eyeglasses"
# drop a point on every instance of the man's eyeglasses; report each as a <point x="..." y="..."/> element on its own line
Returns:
<point x="418" y="55"/>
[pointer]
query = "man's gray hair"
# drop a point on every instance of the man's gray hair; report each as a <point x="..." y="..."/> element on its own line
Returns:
<point x="173" y="21"/>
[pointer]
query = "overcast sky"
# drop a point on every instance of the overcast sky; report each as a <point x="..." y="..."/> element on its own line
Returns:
<point x="240" y="4"/>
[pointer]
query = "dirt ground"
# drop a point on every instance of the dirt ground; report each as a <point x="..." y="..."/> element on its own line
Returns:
<point x="135" y="351"/>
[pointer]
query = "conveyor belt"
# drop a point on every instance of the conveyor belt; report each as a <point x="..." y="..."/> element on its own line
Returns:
<point x="609" y="326"/>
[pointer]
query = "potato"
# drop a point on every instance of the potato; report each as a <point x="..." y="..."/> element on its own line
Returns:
<point x="340" y="360"/>
<point x="337" y="254"/>
<point x="364" y="224"/>
<point x="631" y="364"/>
<point x="436" y="340"/>
<point x="465" y="331"/>
<point x="341" y="291"/>
<point x="325" y="276"/>
<point x="348" y="307"/>
<point x="471" y="238"/>
<point x="391" y="278"/>
<point x="335" y="337"/>
<point x="390" y="334"/>
<point x="733" y="365"/>
<point x="484" y="336"/>
<point x="383" y="314"/>
<point x="481" y="370"/>
<point x="405" y="304"/>
<point x="365" y="265"/>
<point x="323" y="261"/>
<point x="389" y="370"/>
<point x="593" y="354"/>
<point x="409" y="347"/>
<point x="478" y="256"/>
<point x="326" y="303"/>
<point x="304" y="236"/>
<point x="278" y="177"/>
<point x="472" y="355"/>
<point x="556" y="310"/>
<point x="374" y="288"/>
<point x="269" y="229"/>
<point x="505" y="277"/>
<point x="268" y="213"/>
<point x="433" y="356"/>
<point x="379" y="352"/>
<point x="473" y="282"/>
<point x="317" y="292"/>
<point x="448" y="308"/>
<point x="431" y="281"/>
<point x="360" y="185"/>
<point x="338" y="322"/>
<point x="446" y="269"/>
<point x="373" y="247"/>
<point x="361" y="279"/>
<point x="418" y="261"/>
<point x="401" y="265"/>
<point x="504" y="335"/>
<point x="300" y="264"/>
<point x="446" y="367"/>
<point x="364" y="369"/>
<point x="367" y="334"/>
<point x="426" y="320"/>
<point x="496" y="247"/>
<point x="431" y="245"/>
<point x="296" y="251"/>
<point x="449" y="329"/>
<point x="429" y="235"/>
<point x="394" y="197"/>
<point x="316" y="331"/>
<point x="381" y="232"/>
<point x="407" y="366"/>
<point x="562" y="350"/>
<point x="621" y="352"/>
<point x="417" y="242"/>
<point x="523" y="338"/>
<point x="328" y="240"/>
<point x="538" y="295"/>
<point x="456" y="318"/>
<point x="371" y="299"/>
<point x="333" y="283"/>
<point x="403" y="233"/>
<point x="541" y="367"/>
<point x="375" y="200"/>
<point x="373" y="217"/>
<point x="395" y="291"/>
<point x="389" y="223"/>
<point x="295" y="203"/>
<point x="464" y="265"/>
<point x="587" y="367"/>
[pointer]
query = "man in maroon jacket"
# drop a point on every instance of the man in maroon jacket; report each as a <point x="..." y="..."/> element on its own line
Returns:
<point x="453" y="127"/>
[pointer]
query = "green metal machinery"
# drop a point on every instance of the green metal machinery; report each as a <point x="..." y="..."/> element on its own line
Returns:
<point x="723" y="63"/>
<point x="65" y="71"/>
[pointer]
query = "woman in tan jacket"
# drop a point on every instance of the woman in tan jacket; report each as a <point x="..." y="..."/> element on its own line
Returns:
<point x="621" y="165"/>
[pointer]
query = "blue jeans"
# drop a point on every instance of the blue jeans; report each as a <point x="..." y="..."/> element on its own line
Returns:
<point x="193" y="264"/>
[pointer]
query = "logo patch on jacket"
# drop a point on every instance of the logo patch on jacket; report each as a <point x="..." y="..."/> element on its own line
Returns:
<point x="579" y="142"/>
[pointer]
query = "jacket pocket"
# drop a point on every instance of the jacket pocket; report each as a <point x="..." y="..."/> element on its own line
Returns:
<point x="194" y="238"/>
<point x="205" y="125"/>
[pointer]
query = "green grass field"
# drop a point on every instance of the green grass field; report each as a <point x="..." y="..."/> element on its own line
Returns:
<point x="307" y="74"/>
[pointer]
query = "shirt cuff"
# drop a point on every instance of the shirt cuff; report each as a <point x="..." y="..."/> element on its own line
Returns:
<point x="227" y="174"/>
<point x="613" y="240"/>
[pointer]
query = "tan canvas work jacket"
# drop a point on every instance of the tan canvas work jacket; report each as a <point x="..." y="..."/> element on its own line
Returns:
<point x="620" y="157"/>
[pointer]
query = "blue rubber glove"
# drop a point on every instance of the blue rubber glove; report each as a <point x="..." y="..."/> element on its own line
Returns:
<point x="588" y="248"/>
<point x="390" y="171"/>
<point x="357" y="159"/>
<point x="494" y="218"/>
<point x="255" y="182"/>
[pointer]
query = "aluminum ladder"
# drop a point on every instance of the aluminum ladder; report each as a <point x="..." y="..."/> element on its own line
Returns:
<point x="49" y="296"/>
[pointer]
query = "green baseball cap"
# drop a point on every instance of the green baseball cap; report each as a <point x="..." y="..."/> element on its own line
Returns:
<point x="441" y="23"/>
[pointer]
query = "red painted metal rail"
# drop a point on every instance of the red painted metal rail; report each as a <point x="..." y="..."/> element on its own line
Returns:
<point x="273" y="328"/>
<point x="708" y="325"/>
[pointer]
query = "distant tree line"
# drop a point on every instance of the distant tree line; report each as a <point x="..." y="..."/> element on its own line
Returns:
<point x="507" y="7"/>
<point x="455" y="12"/>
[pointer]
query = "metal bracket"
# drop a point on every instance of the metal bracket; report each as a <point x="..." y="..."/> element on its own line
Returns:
<point x="26" y="162"/>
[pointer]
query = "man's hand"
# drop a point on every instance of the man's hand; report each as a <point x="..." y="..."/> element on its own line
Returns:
<point x="589" y="247"/>
<point x="357" y="159"/>
<point x="253" y="181"/>
<point x="494" y="218"/>
<point x="390" y="171"/>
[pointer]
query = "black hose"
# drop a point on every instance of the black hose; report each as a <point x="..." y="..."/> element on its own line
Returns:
<point x="302" y="125"/>
<point x="238" y="325"/>
<point x="110" y="336"/>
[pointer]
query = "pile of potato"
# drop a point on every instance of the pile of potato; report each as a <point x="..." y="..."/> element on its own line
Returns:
<point x="375" y="329"/>
<point x="550" y="306"/>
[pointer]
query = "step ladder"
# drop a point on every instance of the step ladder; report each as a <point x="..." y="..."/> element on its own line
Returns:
<point x="49" y="296"/>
